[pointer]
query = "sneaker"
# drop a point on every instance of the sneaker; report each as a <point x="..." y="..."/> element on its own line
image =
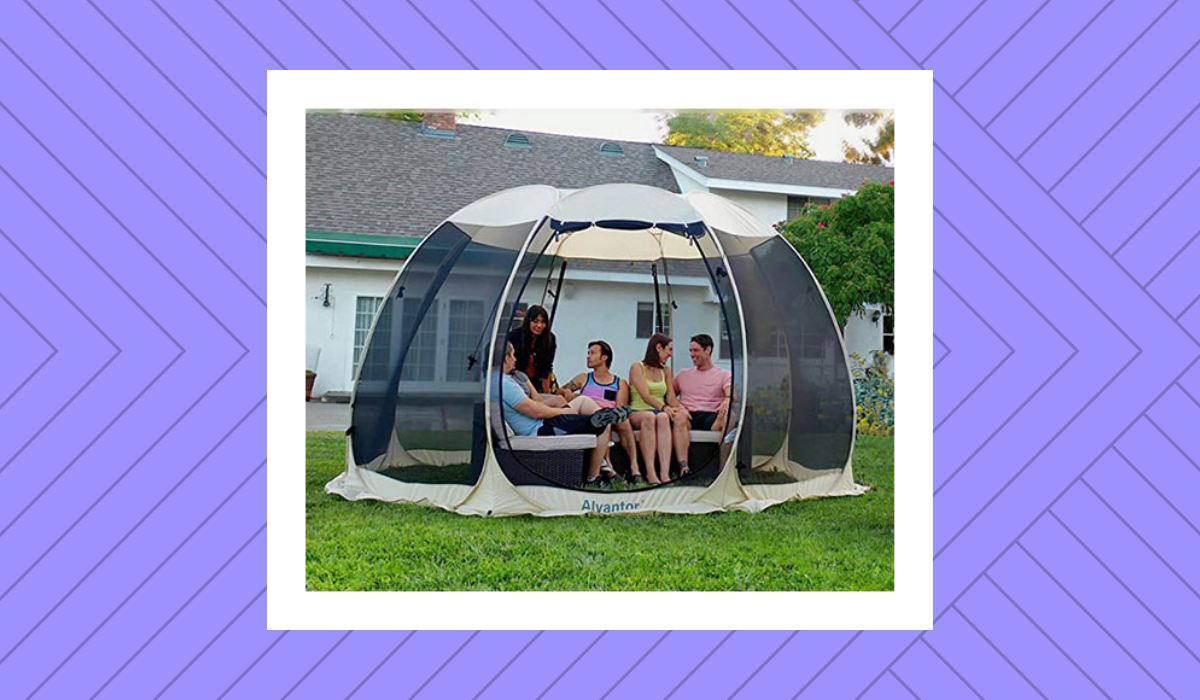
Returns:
<point x="624" y="412"/>
<point x="605" y="417"/>
<point x="638" y="479"/>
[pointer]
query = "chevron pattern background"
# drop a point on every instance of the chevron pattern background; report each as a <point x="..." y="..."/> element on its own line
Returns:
<point x="132" y="406"/>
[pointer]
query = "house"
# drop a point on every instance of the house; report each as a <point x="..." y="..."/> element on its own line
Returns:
<point x="375" y="187"/>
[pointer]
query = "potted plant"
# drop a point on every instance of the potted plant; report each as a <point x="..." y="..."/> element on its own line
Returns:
<point x="309" y="377"/>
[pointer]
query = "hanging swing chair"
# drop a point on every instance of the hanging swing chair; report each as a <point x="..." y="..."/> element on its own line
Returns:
<point x="427" y="422"/>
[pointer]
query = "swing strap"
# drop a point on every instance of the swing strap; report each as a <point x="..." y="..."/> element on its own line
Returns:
<point x="667" y="280"/>
<point x="657" y="302"/>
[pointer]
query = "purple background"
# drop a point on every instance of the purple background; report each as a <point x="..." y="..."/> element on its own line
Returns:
<point x="132" y="406"/>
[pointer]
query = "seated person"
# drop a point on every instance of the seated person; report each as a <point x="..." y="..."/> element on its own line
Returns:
<point x="531" y="391"/>
<point x="608" y="391"/>
<point x="704" y="392"/>
<point x="654" y="404"/>
<point x="581" y="416"/>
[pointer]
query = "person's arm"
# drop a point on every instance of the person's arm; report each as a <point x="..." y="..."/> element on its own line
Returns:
<point x="623" y="393"/>
<point x="567" y="391"/>
<point x="724" y="404"/>
<point x="536" y="409"/>
<point x="671" y="400"/>
<point x="638" y="379"/>
<point x="551" y="350"/>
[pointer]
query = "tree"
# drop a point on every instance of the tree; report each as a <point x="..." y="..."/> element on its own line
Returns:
<point x="850" y="246"/>
<point x="761" y="132"/>
<point x="879" y="150"/>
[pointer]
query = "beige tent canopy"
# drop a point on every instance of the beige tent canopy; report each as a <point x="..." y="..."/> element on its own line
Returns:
<point x="427" y="425"/>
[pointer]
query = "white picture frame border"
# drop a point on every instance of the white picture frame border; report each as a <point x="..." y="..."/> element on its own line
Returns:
<point x="291" y="606"/>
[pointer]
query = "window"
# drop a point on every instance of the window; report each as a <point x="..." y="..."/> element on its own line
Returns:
<point x="645" y="319"/>
<point x="724" y="351"/>
<point x="889" y="334"/>
<point x="611" y="149"/>
<point x="795" y="205"/>
<point x="466" y="320"/>
<point x="776" y="344"/>
<point x="421" y="361"/>
<point x="516" y="140"/>
<point x="811" y="347"/>
<point x="364" y="315"/>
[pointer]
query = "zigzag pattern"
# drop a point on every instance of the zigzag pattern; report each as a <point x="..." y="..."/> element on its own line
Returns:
<point x="131" y="460"/>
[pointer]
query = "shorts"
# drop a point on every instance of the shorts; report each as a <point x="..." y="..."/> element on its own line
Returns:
<point x="569" y="425"/>
<point x="702" y="420"/>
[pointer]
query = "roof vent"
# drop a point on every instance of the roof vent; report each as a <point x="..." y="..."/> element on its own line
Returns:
<point x="702" y="161"/>
<point x="788" y="158"/>
<point x="611" y="149"/>
<point x="517" y="140"/>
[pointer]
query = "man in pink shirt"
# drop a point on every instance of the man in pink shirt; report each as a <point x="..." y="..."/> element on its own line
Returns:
<point x="704" y="392"/>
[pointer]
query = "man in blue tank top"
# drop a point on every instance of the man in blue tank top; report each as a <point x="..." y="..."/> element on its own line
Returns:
<point x="608" y="391"/>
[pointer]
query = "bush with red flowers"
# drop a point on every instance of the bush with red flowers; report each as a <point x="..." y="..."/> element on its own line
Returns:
<point x="850" y="246"/>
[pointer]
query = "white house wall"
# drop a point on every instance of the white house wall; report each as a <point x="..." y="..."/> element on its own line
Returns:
<point x="590" y="309"/>
<point x="331" y="328"/>
<point x="766" y="207"/>
<point x="594" y="310"/>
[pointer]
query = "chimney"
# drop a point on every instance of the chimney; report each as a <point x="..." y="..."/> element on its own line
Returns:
<point x="438" y="124"/>
<point x="702" y="161"/>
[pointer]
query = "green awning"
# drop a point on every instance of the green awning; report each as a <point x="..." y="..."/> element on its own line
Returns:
<point x="359" y="245"/>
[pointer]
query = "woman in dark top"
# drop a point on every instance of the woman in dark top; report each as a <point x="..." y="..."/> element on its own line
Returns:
<point x="535" y="347"/>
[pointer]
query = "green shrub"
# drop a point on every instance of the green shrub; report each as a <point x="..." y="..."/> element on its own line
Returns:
<point x="875" y="395"/>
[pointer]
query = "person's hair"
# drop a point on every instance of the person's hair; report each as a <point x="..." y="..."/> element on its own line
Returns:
<point x="652" y="359"/>
<point x="704" y="340"/>
<point x="533" y="343"/>
<point x="605" y="351"/>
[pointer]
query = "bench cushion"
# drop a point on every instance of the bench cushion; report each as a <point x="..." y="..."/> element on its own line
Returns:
<point x="548" y="443"/>
<point x="703" y="436"/>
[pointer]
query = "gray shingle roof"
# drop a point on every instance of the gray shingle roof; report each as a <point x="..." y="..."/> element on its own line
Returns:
<point x="811" y="173"/>
<point x="370" y="175"/>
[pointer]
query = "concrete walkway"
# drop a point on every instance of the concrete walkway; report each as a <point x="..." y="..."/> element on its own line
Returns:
<point x="327" y="416"/>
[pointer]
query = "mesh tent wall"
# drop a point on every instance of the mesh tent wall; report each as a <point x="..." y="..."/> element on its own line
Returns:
<point x="427" y="426"/>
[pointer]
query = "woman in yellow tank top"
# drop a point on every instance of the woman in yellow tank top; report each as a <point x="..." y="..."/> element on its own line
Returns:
<point x="653" y="400"/>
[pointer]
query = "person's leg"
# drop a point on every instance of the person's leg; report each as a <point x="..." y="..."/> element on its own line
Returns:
<point x="681" y="429"/>
<point x="719" y="424"/>
<point x="643" y="421"/>
<point x="583" y="405"/>
<point x="597" y="459"/>
<point x="625" y="430"/>
<point x="663" y="423"/>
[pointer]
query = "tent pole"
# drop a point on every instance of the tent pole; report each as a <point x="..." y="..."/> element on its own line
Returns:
<point x="562" y="271"/>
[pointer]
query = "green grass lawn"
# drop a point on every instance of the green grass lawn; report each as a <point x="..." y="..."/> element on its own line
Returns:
<point x="833" y="544"/>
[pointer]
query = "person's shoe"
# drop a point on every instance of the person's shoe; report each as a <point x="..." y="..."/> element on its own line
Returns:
<point x="597" y="483"/>
<point x="637" y="480"/>
<point x="605" y="417"/>
<point x="624" y="412"/>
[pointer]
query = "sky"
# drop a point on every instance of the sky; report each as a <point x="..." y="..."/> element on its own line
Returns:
<point x="645" y="125"/>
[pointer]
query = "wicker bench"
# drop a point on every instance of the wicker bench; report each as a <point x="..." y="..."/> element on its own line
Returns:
<point x="551" y="460"/>
<point x="704" y="452"/>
